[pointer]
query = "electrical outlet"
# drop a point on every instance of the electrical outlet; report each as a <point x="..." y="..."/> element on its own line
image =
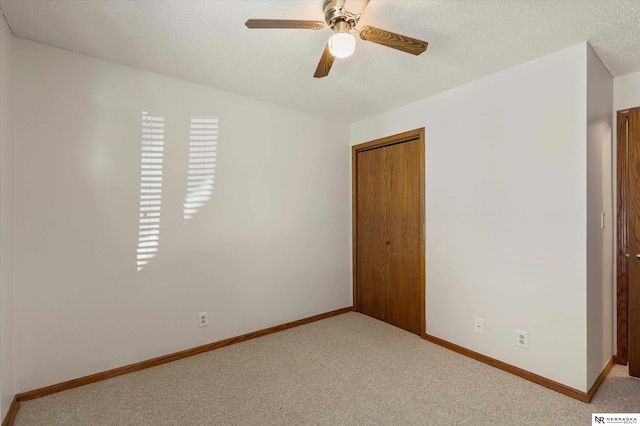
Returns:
<point x="479" y="325"/>
<point x="522" y="339"/>
<point x="203" y="319"/>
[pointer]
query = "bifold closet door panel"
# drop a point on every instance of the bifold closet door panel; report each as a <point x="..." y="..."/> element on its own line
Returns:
<point x="372" y="203"/>
<point x="404" y="233"/>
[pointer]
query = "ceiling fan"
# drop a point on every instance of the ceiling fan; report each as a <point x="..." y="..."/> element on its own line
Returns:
<point x="342" y="44"/>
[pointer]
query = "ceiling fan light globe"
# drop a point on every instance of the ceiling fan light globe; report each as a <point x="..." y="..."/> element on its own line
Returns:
<point x="342" y="44"/>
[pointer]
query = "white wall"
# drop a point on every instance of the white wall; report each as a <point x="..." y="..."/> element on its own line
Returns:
<point x="6" y="218"/>
<point x="506" y="191"/>
<point x="599" y="199"/>
<point x="272" y="246"/>
<point x="626" y="92"/>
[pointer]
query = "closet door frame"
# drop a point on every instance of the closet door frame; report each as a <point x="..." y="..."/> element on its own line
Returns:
<point x="417" y="134"/>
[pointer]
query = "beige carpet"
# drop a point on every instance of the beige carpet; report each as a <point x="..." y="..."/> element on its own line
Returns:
<point x="345" y="370"/>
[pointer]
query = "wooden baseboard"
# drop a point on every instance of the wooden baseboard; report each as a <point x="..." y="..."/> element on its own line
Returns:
<point x="12" y="413"/>
<point x="37" y="393"/>
<point x="543" y="381"/>
<point x="603" y="375"/>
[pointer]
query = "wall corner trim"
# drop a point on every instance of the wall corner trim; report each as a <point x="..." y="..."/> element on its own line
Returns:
<point x="532" y="377"/>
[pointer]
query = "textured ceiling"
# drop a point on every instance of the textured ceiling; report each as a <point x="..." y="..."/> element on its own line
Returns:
<point x="206" y="42"/>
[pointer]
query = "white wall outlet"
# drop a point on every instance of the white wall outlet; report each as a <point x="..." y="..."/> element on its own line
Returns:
<point x="522" y="339"/>
<point x="203" y="319"/>
<point x="478" y="325"/>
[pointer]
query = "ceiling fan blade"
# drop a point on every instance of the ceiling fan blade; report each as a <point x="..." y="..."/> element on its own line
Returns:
<point x="393" y="40"/>
<point x="284" y="23"/>
<point x="324" y="66"/>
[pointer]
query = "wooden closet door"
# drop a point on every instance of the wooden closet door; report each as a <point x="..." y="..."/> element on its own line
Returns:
<point x="372" y="256"/>
<point x="389" y="230"/>
<point x="633" y="301"/>
<point x="404" y="232"/>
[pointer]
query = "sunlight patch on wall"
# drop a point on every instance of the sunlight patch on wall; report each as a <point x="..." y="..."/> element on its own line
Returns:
<point x="150" y="188"/>
<point x="203" y="141"/>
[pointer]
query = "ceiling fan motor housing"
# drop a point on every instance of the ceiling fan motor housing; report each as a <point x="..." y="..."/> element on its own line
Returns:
<point x="337" y="17"/>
